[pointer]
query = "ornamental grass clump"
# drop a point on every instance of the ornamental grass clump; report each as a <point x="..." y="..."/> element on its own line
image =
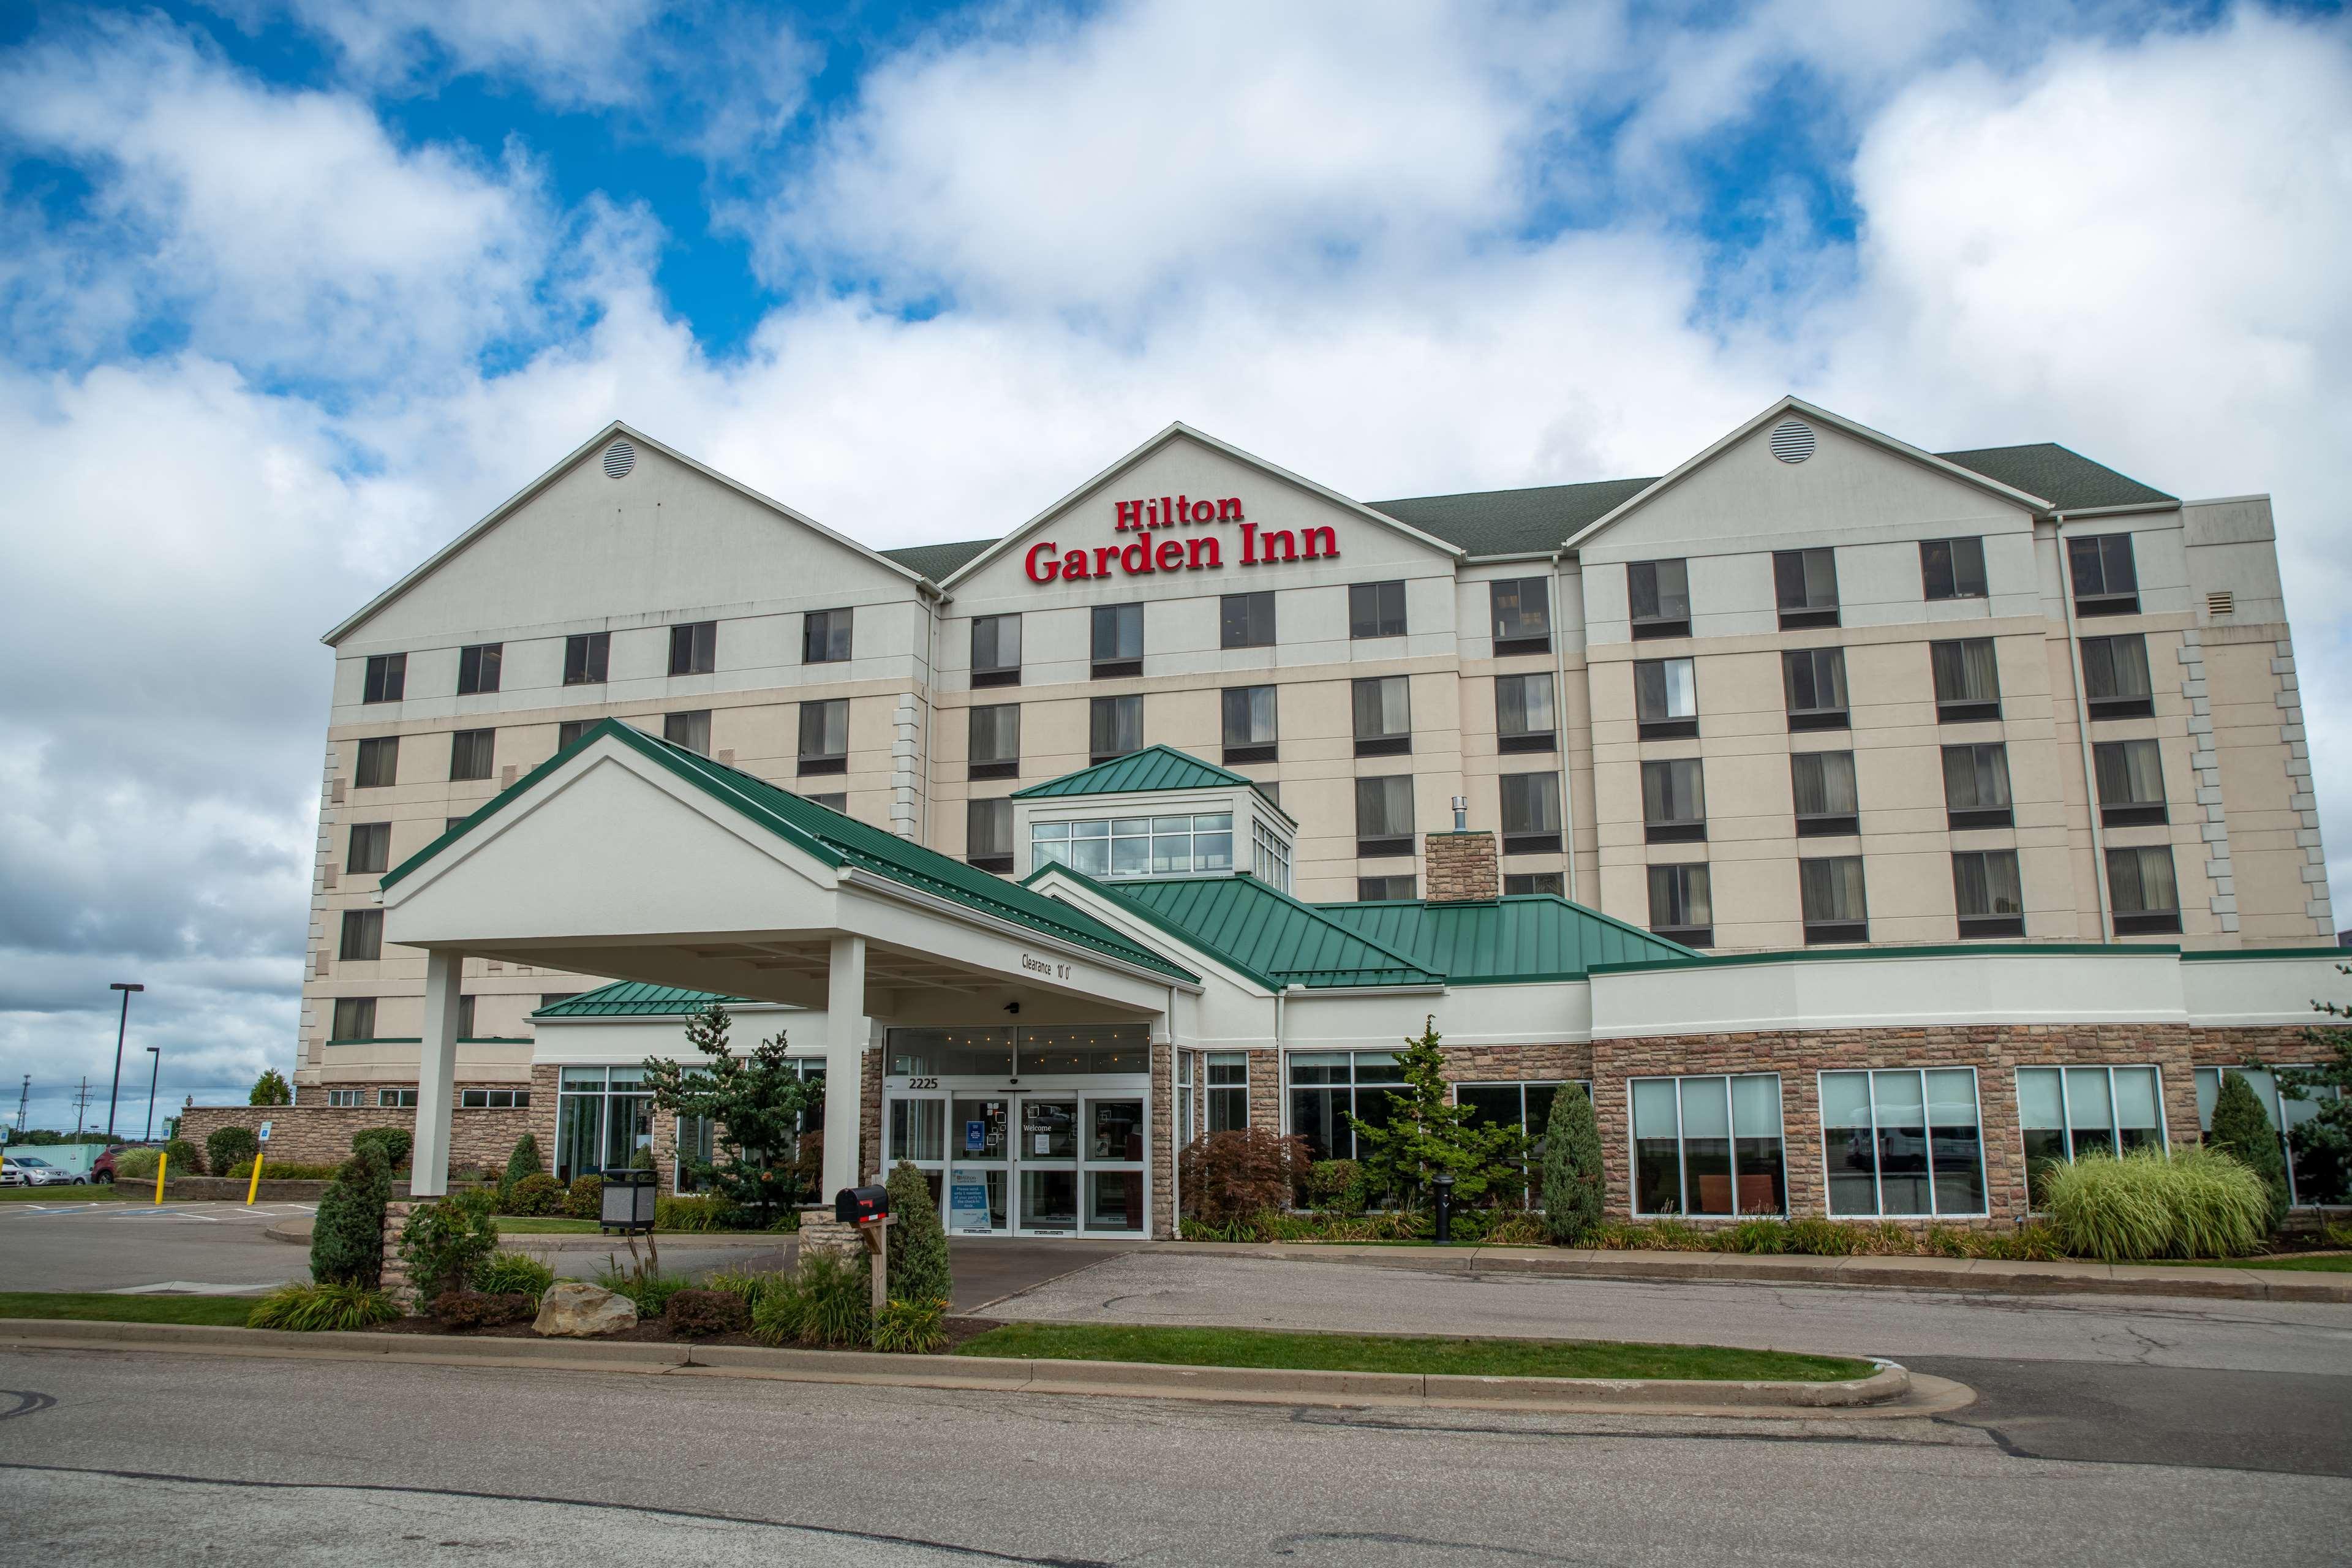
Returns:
<point x="751" y="1285"/>
<point x="911" y="1328"/>
<point x="2194" y="1203"/>
<point x="322" y="1307"/>
<point x="827" y="1302"/>
<point x="512" y="1274"/>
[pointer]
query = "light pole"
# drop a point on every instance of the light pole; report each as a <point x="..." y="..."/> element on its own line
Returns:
<point x="155" y="1071"/>
<point x="119" y="1029"/>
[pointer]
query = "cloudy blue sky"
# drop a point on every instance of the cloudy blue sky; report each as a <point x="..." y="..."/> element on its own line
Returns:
<point x="293" y="290"/>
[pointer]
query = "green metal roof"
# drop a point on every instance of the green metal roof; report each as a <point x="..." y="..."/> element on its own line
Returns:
<point x="1152" y="768"/>
<point x="2067" y="480"/>
<point x="1267" y="935"/>
<point x="937" y="561"/>
<point x="833" y="838"/>
<point x="633" y="999"/>
<point x="1537" y="936"/>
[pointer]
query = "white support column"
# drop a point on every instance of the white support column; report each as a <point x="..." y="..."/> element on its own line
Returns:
<point x="844" y="1062"/>
<point x="436" y="1076"/>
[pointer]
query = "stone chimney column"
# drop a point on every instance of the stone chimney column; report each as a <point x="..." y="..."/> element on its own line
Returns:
<point x="1461" y="867"/>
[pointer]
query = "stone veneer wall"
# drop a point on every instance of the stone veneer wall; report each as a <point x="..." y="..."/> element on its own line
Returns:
<point x="1162" y="1164"/>
<point x="321" y="1135"/>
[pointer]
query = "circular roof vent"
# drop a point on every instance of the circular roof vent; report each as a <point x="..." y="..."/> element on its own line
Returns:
<point x="622" y="456"/>
<point x="1792" y="442"/>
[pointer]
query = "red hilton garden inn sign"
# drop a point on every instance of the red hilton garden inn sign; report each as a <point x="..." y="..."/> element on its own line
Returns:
<point x="1048" y="561"/>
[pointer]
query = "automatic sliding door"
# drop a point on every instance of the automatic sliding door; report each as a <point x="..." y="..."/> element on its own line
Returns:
<point x="980" y="1136"/>
<point x="1048" y="1162"/>
<point x="1114" y="1141"/>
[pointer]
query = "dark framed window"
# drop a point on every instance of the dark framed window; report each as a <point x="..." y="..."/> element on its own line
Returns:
<point x="1117" y="640"/>
<point x="1658" y="595"/>
<point x="2146" y="899"/>
<point x="469" y="754"/>
<point x="1246" y="620"/>
<point x="379" y="763"/>
<point x="694" y="648"/>
<point x="996" y="742"/>
<point x="1383" y="709"/>
<point x="570" y="731"/>
<point x="496" y="1099"/>
<point x="1952" y="568"/>
<point x="1673" y="801"/>
<point x="387" y="677"/>
<point x="1249" y="715"/>
<point x="586" y="656"/>
<point x="478" y="667"/>
<point x="1384" y="816"/>
<point x="466" y="1018"/>
<point x="2131" y="783"/>
<point x="1330" y="1092"/>
<point x="1114" y="727"/>
<point x="362" y="935"/>
<point x="371" y="849"/>
<point x="1384" y="889"/>
<point x="1522" y="615"/>
<point x="2106" y="583"/>
<point x="1987" y="892"/>
<point x="1834" y="907"/>
<point x="2067" y="1112"/>
<point x="824" y="737"/>
<point x="1976" y="786"/>
<point x="1823" y="786"/>
<point x="1531" y="813"/>
<point x="988" y="835"/>
<point x="1376" y="609"/>
<point x="1524" y="718"/>
<point x="396" y="1099"/>
<point x="1681" y="904"/>
<point x="1665" y="697"/>
<point x="996" y="650"/>
<point x="1814" y="680"/>
<point x="1519" y="884"/>
<point x="1804" y="586"/>
<point x="1228" y="1090"/>
<point x="1903" y="1142"/>
<point x="691" y="730"/>
<point x="2115" y="681"/>
<point x="826" y="636"/>
<point x="1967" y="680"/>
<point x="1526" y="1106"/>
<point x="354" y="1018"/>
<point x="1708" y="1145"/>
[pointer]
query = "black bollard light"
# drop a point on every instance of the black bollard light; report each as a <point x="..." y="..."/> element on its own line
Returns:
<point x="1444" y="1185"/>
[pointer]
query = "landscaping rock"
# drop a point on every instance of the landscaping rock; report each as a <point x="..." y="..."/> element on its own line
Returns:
<point x="572" y="1309"/>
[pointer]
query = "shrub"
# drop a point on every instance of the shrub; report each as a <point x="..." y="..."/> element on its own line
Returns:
<point x="2196" y="1203"/>
<point x="443" y="1243"/>
<point x="512" y="1274"/>
<point x="137" y="1164"/>
<point x="186" y="1158"/>
<point x="750" y="1286"/>
<point x="700" y="1314"/>
<point x="1381" y="1225"/>
<point x="1760" y="1237"/>
<point x="1519" y="1229"/>
<point x="463" y="1309"/>
<point x="524" y="1164"/>
<point x="651" y="1291"/>
<point x="535" y="1194"/>
<point x="919" y="1270"/>
<point x="1574" y="1178"/>
<point x="702" y="1213"/>
<point x="227" y="1145"/>
<point x="1823" y="1239"/>
<point x="395" y="1142"/>
<point x="2243" y="1131"/>
<point x="911" y="1328"/>
<point x="1336" y="1185"/>
<point x="347" y="1234"/>
<point x="1232" y="1175"/>
<point x="321" y="1307"/>
<point x="584" y="1199"/>
<point x="827" y="1302"/>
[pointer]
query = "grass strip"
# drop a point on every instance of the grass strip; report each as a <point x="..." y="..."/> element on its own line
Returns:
<point x="98" y="1307"/>
<point x="87" y="1193"/>
<point x="2320" y="1263"/>
<point x="1271" y="1349"/>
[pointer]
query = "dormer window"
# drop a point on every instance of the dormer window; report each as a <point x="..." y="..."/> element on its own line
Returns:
<point x="1188" y="846"/>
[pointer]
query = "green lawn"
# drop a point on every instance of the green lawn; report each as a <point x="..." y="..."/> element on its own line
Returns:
<point x="526" y="1225"/>
<point x="96" y="1307"/>
<point x="88" y="1192"/>
<point x="1382" y="1353"/>
<point x="2321" y="1263"/>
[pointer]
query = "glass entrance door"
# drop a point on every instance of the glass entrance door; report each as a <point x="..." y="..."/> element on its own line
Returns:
<point x="979" y="1134"/>
<point x="1049" y="1163"/>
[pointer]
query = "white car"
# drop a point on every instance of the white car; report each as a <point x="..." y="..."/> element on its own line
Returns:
<point x="30" y="1171"/>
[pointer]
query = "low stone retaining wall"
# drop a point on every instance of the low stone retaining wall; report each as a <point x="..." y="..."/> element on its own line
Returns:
<point x="321" y="1135"/>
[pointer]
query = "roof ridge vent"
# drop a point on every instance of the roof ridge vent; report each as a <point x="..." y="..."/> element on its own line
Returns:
<point x="1792" y="440"/>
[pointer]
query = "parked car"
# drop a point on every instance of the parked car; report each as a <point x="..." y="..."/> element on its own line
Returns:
<point x="102" y="1168"/>
<point x="36" y="1172"/>
<point x="9" y="1175"/>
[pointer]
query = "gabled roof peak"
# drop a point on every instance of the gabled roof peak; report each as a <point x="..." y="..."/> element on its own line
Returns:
<point x="1154" y="768"/>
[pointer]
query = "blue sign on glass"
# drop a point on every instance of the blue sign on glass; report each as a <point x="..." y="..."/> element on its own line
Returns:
<point x="975" y="1137"/>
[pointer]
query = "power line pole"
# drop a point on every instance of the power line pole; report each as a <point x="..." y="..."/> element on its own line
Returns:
<point x="81" y="1105"/>
<point x="24" y="1098"/>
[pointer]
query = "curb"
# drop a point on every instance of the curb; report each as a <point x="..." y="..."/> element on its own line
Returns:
<point x="297" y="1232"/>
<point x="1887" y="1386"/>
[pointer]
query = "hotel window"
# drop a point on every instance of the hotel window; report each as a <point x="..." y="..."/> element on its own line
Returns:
<point x="1903" y="1144"/>
<point x="602" y="1116"/>
<point x="1976" y="787"/>
<point x="988" y="835"/>
<point x="342" y="1099"/>
<point x="371" y="849"/>
<point x="1526" y="1106"/>
<point x="1531" y="813"/>
<point x="1524" y="719"/>
<point x="1665" y="697"/>
<point x="478" y="667"/>
<point x="1117" y="640"/>
<point x="1384" y="816"/>
<point x="1114" y="727"/>
<point x="691" y="730"/>
<point x="1375" y="609"/>
<point x="570" y="732"/>
<point x="362" y="935"/>
<point x="1522" y="884"/>
<point x="2114" y="677"/>
<point x="586" y="656"/>
<point x="1952" y="568"/>
<point x="1249" y="724"/>
<point x="1832" y="893"/>
<point x="2131" y="783"/>
<point x="387" y="676"/>
<point x="1383" y="717"/>
<point x="1327" y="1087"/>
<point x="1522" y="613"/>
<point x="1822" y="782"/>
<point x="824" y="737"/>
<point x="379" y="763"/>
<point x="2146" y="900"/>
<point x="1136" y="845"/>
<point x="1658" y="593"/>
<point x="832" y="800"/>
<point x="2105" y="581"/>
<point x="995" y="741"/>
<point x="1384" y="889"/>
<point x="2068" y="1113"/>
<point x="469" y="754"/>
<point x="1269" y="857"/>
<point x="1804" y="585"/>
<point x="1682" y="907"/>
<point x="494" y="1099"/>
<point x="2311" y="1177"/>
<point x="996" y="650"/>
<point x="1814" y="681"/>
<point x="1228" y="1090"/>
<point x="1708" y="1145"/>
<point x="1184" y="1131"/>
<point x="1673" y="801"/>
<point x="1967" y="680"/>
<point x="396" y="1099"/>
<point x="694" y="649"/>
<point x="354" y="1018"/>
<point x="825" y="636"/>
<point x="1987" y="892"/>
<point x="1246" y="620"/>
<point x="466" y="1018"/>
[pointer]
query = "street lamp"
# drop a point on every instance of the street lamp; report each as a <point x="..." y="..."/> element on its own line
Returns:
<point x="155" y="1071"/>
<point x="119" y="1029"/>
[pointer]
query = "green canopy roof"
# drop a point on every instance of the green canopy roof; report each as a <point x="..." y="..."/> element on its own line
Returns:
<point x="1536" y="936"/>
<point x="1152" y="768"/>
<point x="1268" y="935"/>
<point x="633" y="999"/>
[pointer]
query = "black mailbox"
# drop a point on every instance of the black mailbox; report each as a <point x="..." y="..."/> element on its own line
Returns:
<point x="861" y="1205"/>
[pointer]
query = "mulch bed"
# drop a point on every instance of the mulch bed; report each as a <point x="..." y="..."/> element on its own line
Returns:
<point x="654" y="1332"/>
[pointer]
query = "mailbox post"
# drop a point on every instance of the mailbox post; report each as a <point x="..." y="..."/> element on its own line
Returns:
<point x="868" y="1208"/>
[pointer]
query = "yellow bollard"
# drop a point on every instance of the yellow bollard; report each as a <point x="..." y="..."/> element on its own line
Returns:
<point x="255" y="1185"/>
<point x="160" y="1167"/>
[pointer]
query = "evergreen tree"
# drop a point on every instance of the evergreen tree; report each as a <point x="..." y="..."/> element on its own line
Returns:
<point x="523" y="1162"/>
<point x="919" y="1270"/>
<point x="754" y="1104"/>
<point x="347" y="1238"/>
<point x="2323" y="1144"/>
<point x="2243" y="1131"/>
<point x="1573" y="1179"/>
<point x="270" y="1089"/>
<point x="1426" y="1134"/>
